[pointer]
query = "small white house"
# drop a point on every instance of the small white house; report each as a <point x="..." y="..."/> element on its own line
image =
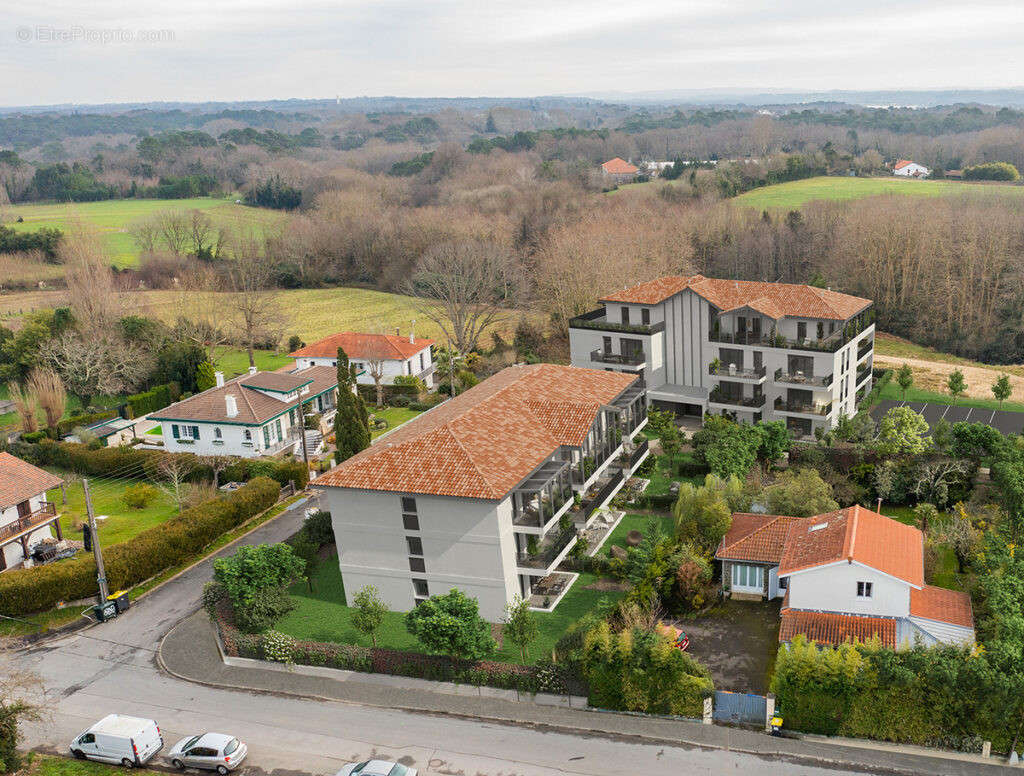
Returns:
<point x="907" y="169"/>
<point x="252" y="415"/>
<point x="852" y="574"/>
<point x="393" y="354"/>
<point x="26" y="516"/>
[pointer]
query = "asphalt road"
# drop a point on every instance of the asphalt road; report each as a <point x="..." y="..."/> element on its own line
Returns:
<point x="111" y="668"/>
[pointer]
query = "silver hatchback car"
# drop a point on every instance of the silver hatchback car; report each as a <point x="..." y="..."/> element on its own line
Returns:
<point x="209" y="751"/>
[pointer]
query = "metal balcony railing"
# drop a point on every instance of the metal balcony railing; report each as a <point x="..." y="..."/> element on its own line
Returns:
<point x="799" y="378"/>
<point x="726" y="370"/>
<point x="718" y="397"/>
<point x="803" y="408"/>
<point x="627" y="359"/>
<point x="597" y="320"/>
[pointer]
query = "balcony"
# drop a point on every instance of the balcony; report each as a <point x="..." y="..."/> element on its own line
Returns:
<point x="623" y="359"/>
<point x="291" y="436"/>
<point x="863" y="374"/>
<point x="542" y="496"/>
<point x="802" y="408"/>
<point x="47" y="513"/>
<point x="799" y="378"/>
<point x="865" y="347"/>
<point x="546" y="551"/>
<point x="829" y="344"/>
<point x="628" y="459"/>
<point x="597" y="320"/>
<point x="600" y="492"/>
<point x="746" y="402"/>
<point x="733" y="373"/>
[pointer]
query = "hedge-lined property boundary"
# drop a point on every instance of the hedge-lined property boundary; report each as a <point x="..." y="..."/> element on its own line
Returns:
<point x="136" y="463"/>
<point x="24" y="591"/>
<point x="152" y="400"/>
<point x="547" y="678"/>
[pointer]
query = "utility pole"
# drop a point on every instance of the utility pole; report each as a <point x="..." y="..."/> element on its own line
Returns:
<point x="101" y="574"/>
<point x="302" y="425"/>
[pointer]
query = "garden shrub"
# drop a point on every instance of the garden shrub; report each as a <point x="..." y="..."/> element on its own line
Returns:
<point x="263" y="609"/>
<point x="400" y="401"/>
<point x="23" y="591"/>
<point x="278" y="647"/>
<point x="319" y="529"/>
<point x="140" y="495"/>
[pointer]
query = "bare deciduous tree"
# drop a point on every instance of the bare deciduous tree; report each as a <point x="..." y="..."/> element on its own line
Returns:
<point x="146" y="234"/>
<point x="377" y="353"/>
<point x="46" y="386"/>
<point x="217" y="464"/>
<point x="92" y="292"/>
<point x="174" y="230"/>
<point x="97" y="364"/>
<point x="465" y="287"/>
<point x="254" y="302"/>
<point x="175" y="469"/>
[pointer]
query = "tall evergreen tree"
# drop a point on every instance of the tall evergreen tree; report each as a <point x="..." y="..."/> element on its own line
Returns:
<point x="351" y="425"/>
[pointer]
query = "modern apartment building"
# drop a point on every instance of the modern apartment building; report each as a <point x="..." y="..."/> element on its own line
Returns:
<point x="752" y="350"/>
<point x="487" y="491"/>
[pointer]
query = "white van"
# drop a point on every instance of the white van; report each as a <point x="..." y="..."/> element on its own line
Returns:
<point x="120" y="740"/>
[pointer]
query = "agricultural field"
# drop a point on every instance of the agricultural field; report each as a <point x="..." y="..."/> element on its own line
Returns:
<point x="112" y="218"/>
<point x="795" y="194"/>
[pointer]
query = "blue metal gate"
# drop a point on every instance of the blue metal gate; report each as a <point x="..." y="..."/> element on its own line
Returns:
<point x="739" y="708"/>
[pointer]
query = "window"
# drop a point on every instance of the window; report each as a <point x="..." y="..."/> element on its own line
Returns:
<point x="248" y="435"/>
<point x="625" y="315"/>
<point x="783" y="583"/>
<point x="175" y="432"/>
<point x="411" y="522"/>
<point x="801" y="331"/>
<point x="420" y="587"/>
<point x="291" y="416"/>
<point x="416" y="564"/>
<point x="645" y="317"/>
<point x="88" y="738"/>
<point x="217" y="433"/>
<point x="415" y="545"/>
<point x="748" y="577"/>
<point x="195" y="432"/>
<point x="423" y="364"/>
<point x="821" y="330"/>
<point x="864" y="590"/>
<point x="408" y="504"/>
<point x="606" y="344"/>
<point x="277" y="426"/>
<point x="266" y="436"/>
<point x="334" y="363"/>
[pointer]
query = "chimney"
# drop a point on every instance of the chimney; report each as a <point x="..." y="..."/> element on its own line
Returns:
<point x="231" y="405"/>
<point x="219" y="377"/>
<point x="252" y="370"/>
<point x="412" y="329"/>
<point x="398" y="333"/>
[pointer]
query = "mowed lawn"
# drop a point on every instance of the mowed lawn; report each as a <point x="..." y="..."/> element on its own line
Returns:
<point x="112" y="218"/>
<point x="795" y="194"/>
<point x="121" y="522"/>
<point x="395" y="416"/>
<point x="892" y="391"/>
<point x="642" y="523"/>
<point x="321" y="615"/>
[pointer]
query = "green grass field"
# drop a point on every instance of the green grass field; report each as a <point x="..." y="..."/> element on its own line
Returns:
<point x="112" y="218"/>
<point x="892" y="391"/>
<point x="636" y="522"/>
<point x="795" y="194"/>
<point x="395" y="416"/>
<point x="122" y="522"/>
<point x="323" y="616"/>
<point x="48" y="765"/>
<point x="235" y="361"/>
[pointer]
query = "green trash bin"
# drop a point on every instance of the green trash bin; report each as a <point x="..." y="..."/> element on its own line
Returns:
<point x="105" y="611"/>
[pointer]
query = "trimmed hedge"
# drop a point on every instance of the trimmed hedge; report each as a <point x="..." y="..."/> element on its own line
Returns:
<point x="68" y="425"/>
<point x="152" y="400"/>
<point x="547" y="678"/>
<point x="23" y="591"/>
<point x="137" y="463"/>
<point x="369" y="392"/>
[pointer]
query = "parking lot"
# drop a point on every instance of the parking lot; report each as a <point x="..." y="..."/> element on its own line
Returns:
<point x="1006" y="422"/>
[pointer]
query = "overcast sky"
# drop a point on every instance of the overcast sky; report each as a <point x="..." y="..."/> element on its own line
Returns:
<point x="54" y="51"/>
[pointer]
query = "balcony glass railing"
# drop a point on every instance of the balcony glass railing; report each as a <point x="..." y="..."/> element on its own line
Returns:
<point x="802" y="407"/>
<point x="863" y="374"/>
<point x="865" y="347"/>
<point x="728" y="370"/>
<point x="829" y="344"/>
<point x="547" y="550"/>
<point x="799" y="378"/>
<point x="596" y="319"/>
<point x="718" y="397"/>
<point x="627" y="359"/>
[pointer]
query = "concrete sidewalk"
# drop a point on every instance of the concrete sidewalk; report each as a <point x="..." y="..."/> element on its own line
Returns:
<point x="189" y="651"/>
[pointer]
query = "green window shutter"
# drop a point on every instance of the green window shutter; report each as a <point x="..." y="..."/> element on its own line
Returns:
<point x="266" y="436"/>
<point x="195" y="432"/>
<point x="175" y="432"/>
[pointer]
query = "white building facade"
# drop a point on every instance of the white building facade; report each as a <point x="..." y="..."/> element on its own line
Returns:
<point x="754" y="351"/>
<point x="26" y="517"/>
<point x="908" y="169"/>
<point x="250" y="416"/>
<point x="487" y="492"/>
<point x="393" y="355"/>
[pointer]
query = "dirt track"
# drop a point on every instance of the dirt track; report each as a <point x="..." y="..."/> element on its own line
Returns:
<point x="932" y="375"/>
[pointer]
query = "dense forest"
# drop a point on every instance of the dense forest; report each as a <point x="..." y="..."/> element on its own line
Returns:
<point x="374" y="195"/>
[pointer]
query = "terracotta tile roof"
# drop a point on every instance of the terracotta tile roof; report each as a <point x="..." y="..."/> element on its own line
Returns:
<point x="20" y="480"/>
<point x="941" y="605"/>
<point x="618" y="166"/>
<point x="254" y="406"/>
<point x="856" y="534"/>
<point x="835" y="629"/>
<point x="901" y="164"/>
<point x="364" y="346"/>
<point x="757" y="538"/>
<point x="775" y="300"/>
<point x="484" y="442"/>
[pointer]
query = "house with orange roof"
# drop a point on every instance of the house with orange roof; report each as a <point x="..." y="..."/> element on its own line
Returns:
<point x="488" y="491"/>
<point x="851" y="574"/>
<point x="26" y="517"/>
<point x="619" y="171"/>
<point x="393" y="354"/>
<point x="751" y="350"/>
<point x="907" y="169"/>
